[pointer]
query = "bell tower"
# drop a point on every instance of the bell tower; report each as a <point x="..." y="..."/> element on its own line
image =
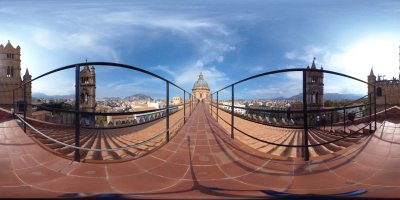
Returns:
<point x="87" y="89"/>
<point x="10" y="78"/>
<point x="10" y="64"/>
<point x="314" y="87"/>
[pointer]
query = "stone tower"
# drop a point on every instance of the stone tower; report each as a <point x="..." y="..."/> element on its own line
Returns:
<point x="28" y="91"/>
<point x="314" y="88"/>
<point x="371" y="80"/>
<point x="10" y="78"/>
<point x="87" y="89"/>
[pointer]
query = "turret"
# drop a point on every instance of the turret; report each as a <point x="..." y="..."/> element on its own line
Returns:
<point x="371" y="83"/>
<point x="28" y="90"/>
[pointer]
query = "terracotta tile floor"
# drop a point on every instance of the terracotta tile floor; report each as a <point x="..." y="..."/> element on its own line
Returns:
<point x="201" y="161"/>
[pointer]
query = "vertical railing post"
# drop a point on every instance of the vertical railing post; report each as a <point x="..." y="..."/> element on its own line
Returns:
<point x="184" y="107"/>
<point x="370" y="113"/>
<point x="211" y="105"/>
<point x="344" y="119"/>
<point x="13" y="103"/>
<point x="167" y="111"/>
<point x="217" y="106"/>
<point x="233" y="112"/>
<point x="385" y="107"/>
<point x="331" y="121"/>
<point x="375" y="107"/>
<point x="25" y="106"/>
<point x="306" y="153"/>
<point x="77" y="156"/>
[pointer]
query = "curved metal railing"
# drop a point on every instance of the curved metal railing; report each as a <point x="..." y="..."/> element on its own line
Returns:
<point x="167" y="111"/>
<point x="361" y="113"/>
<point x="90" y="149"/>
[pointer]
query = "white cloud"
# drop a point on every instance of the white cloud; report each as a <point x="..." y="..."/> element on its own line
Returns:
<point x="257" y="69"/>
<point x="81" y="42"/>
<point x="282" y="89"/>
<point x="165" y="69"/>
<point x="63" y="86"/>
<point x="355" y="59"/>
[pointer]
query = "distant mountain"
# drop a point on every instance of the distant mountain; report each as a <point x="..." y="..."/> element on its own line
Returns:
<point x="279" y="98"/>
<point x="329" y="96"/>
<point x="40" y="95"/>
<point x="111" y="98"/>
<point x="138" y="97"/>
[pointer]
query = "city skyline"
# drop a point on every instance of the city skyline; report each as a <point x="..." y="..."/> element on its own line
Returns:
<point x="227" y="42"/>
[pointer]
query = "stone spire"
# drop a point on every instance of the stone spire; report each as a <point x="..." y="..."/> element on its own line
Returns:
<point x="27" y="76"/>
<point x="26" y="72"/>
<point x="86" y="67"/>
<point x="372" y="72"/>
<point x="313" y="64"/>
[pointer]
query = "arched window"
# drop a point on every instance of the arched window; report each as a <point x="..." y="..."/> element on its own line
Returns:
<point x="379" y="92"/>
<point x="314" y="97"/>
<point x="8" y="71"/>
<point x="201" y="95"/>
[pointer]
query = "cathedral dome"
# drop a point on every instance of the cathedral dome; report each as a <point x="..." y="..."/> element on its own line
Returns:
<point x="200" y="83"/>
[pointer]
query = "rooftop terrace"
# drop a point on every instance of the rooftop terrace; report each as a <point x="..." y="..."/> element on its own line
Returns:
<point x="201" y="161"/>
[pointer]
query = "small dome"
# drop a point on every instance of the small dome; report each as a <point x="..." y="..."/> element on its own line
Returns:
<point x="200" y="83"/>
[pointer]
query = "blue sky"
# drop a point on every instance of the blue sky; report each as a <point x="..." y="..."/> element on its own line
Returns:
<point x="226" y="40"/>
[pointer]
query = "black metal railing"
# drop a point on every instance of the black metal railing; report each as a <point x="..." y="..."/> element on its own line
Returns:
<point x="304" y="119"/>
<point x="78" y="126"/>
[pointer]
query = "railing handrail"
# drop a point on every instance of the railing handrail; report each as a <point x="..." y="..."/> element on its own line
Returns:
<point x="77" y="108"/>
<point x="297" y="111"/>
<point x="297" y="146"/>
<point x="107" y="113"/>
<point x="294" y="70"/>
<point x="111" y="64"/>
<point x="89" y="149"/>
<point x="307" y="108"/>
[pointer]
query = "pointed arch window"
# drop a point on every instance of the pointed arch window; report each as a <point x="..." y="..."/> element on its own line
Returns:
<point x="10" y="72"/>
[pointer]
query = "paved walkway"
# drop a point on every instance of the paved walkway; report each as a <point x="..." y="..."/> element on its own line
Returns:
<point x="201" y="161"/>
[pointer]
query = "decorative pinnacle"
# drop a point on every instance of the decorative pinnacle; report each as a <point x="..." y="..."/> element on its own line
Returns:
<point x="201" y="76"/>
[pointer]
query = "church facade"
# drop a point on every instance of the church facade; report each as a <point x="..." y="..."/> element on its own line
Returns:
<point x="200" y="90"/>
<point x="385" y="89"/>
<point x="10" y="78"/>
